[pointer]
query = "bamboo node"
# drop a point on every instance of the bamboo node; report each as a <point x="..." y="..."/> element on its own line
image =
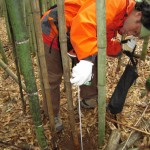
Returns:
<point x="39" y="126"/>
<point x="63" y="40"/>
<point x="22" y="42"/>
<point x="32" y="94"/>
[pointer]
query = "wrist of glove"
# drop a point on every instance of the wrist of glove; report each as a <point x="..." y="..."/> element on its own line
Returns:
<point x="82" y="72"/>
<point x="130" y="45"/>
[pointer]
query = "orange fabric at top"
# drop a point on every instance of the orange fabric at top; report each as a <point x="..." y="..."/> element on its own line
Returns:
<point x="83" y="29"/>
<point x="71" y="8"/>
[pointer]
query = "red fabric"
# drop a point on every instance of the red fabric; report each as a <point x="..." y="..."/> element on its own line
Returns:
<point x="50" y="40"/>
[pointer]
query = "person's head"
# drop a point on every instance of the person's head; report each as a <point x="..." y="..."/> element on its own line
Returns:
<point x="138" y="22"/>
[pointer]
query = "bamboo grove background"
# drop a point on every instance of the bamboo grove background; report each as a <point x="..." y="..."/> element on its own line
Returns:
<point x="22" y="19"/>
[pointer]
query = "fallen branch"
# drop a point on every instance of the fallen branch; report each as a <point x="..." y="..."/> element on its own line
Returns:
<point x="112" y="120"/>
<point x="5" y="67"/>
<point x="132" y="132"/>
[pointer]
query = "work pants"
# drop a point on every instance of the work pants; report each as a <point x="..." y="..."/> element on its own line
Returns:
<point x="55" y="72"/>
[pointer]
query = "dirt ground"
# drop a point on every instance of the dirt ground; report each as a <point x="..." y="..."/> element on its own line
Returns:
<point x="17" y="129"/>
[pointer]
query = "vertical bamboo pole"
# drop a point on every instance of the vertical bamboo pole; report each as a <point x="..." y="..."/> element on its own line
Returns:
<point x="43" y="6"/>
<point x="66" y="67"/>
<point x="30" y="26"/>
<point x="1" y="8"/>
<point x="7" y="22"/>
<point x="144" y="48"/>
<point x="22" y="47"/>
<point x="101" y="43"/>
<point x="34" y="46"/>
<point x="42" y="63"/>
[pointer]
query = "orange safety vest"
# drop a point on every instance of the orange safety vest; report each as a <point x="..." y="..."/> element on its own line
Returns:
<point x="49" y="22"/>
<point x="83" y="29"/>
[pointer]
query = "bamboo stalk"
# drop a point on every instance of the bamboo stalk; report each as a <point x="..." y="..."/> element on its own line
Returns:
<point x="42" y="63"/>
<point x="19" y="77"/>
<point x="66" y="67"/>
<point x="101" y="44"/>
<point x="22" y="47"/>
<point x="9" y="34"/>
<point x="43" y="6"/>
<point x="11" y="74"/>
<point x="34" y="50"/>
<point x="31" y="29"/>
<point x="1" y="8"/>
<point x="144" y="48"/>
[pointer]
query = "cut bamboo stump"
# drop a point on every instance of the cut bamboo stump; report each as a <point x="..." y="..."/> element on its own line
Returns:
<point x="113" y="140"/>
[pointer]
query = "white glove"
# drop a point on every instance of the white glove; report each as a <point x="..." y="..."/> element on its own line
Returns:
<point x="129" y="46"/>
<point x="131" y="43"/>
<point x="82" y="72"/>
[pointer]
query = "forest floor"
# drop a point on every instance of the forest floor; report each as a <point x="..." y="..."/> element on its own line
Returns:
<point x="17" y="129"/>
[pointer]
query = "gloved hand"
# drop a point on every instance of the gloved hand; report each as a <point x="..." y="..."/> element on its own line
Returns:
<point x="131" y="43"/>
<point x="82" y="72"/>
<point x="129" y="46"/>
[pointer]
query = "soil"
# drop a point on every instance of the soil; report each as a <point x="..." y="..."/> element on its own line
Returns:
<point x="17" y="129"/>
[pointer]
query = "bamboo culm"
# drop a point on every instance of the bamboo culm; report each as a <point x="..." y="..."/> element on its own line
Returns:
<point x="66" y="67"/>
<point x="101" y="44"/>
<point x="144" y="48"/>
<point x="23" y="47"/>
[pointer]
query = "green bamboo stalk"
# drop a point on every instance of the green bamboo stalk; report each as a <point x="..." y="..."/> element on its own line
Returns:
<point x="53" y="2"/>
<point x="30" y="26"/>
<point x="101" y="43"/>
<point x="66" y="68"/>
<point x="22" y="47"/>
<point x="144" y="48"/>
<point x="48" y="4"/>
<point x="33" y="44"/>
<point x="2" y="51"/>
<point x="42" y="64"/>
<point x="43" y="6"/>
<point x="9" y="34"/>
<point x="1" y="8"/>
<point x="11" y="74"/>
<point x="23" y="10"/>
<point x="19" y="77"/>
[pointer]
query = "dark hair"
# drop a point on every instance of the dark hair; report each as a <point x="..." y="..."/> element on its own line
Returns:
<point x="144" y="7"/>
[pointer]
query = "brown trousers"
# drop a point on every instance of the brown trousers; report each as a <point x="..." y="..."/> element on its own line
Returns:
<point x="55" y="72"/>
